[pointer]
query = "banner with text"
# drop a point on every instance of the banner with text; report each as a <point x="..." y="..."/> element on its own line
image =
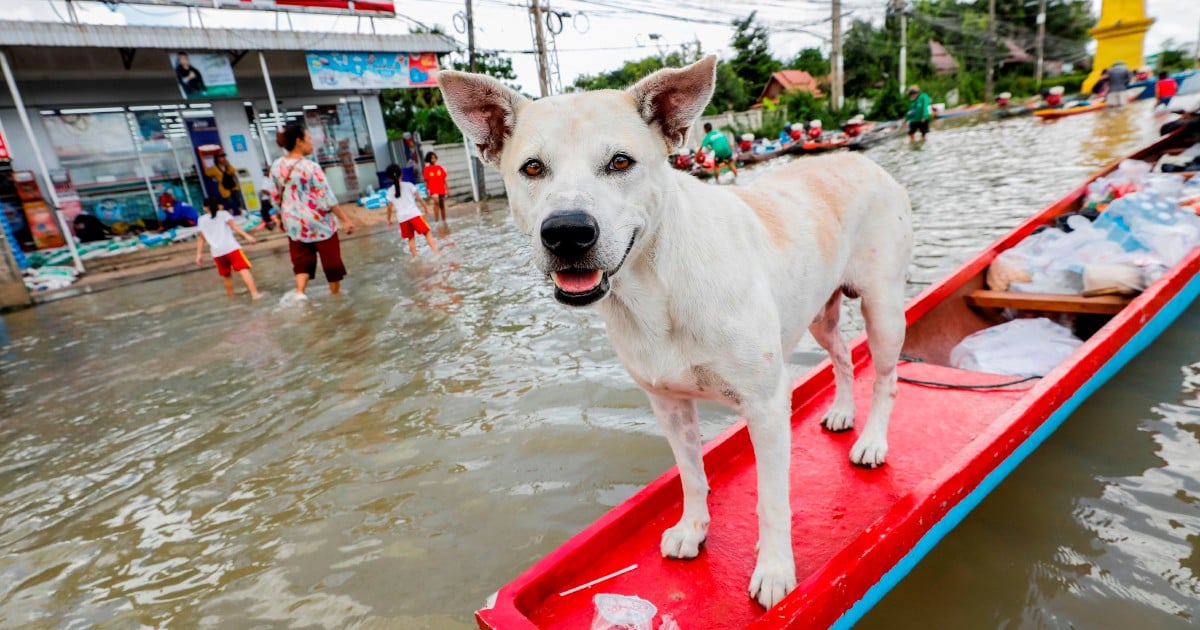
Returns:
<point x="371" y="71"/>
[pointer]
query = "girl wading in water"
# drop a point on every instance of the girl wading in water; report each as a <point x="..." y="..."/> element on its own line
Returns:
<point x="309" y="211"/>
<point x="217" y="228"/>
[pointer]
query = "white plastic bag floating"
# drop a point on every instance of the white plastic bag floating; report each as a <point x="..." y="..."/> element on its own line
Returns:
<point x="1022" y="347"/>
<point x="622" y="612"/>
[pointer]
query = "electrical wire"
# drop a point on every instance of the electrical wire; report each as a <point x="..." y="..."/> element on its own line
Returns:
<point x="913" y="381"/>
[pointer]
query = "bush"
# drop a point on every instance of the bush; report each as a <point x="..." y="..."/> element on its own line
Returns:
<point x="772" y="124"/>
<point x="889" y="103"/>
<point x="801" y="106"/>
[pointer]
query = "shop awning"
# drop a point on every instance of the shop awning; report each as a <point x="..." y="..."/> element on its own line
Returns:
<point x="63" y="35"/>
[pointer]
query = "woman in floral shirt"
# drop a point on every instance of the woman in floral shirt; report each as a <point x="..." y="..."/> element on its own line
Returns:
<point x="309" y="210"/>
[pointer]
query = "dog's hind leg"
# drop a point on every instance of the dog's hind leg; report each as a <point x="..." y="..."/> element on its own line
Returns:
<point x="681" y="424"/>
<point x="768" y="416"/>
<point x="840" y="415"/>
<point x="883" y="311"/>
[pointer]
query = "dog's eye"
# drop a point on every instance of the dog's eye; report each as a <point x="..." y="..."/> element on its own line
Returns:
<point x="533" y="168"/>
<point x="620" y="162"/>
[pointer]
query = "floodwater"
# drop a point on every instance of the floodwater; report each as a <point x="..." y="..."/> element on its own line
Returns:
<point x="390" y="457"/>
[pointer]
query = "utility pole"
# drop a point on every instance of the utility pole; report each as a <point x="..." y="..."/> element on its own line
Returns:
<point x="540" y="39"/>
<point x="988" y="85"/>
<point x="470" y="36"/>
<point x="901" y="8"/>
<point x="1196" y="56"/>
<point x="1041" y="42"/>
<point x="835" y="56"/>
<point x="477" y="173"/>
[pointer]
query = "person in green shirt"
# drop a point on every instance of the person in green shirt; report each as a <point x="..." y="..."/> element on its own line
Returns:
<point x="918" y="113"/>
<point x="722" y="152"/>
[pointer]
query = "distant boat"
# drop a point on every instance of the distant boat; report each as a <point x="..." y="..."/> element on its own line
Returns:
<point x="1061" y="112"/>
<point x="1188" y="81"/>
<point x="963" y="110"/>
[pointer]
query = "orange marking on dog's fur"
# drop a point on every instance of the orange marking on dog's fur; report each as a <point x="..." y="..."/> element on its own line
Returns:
<point x="768" y="213"/>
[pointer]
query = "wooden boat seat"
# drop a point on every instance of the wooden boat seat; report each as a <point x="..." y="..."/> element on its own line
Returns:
<point x="1054" y="302"/>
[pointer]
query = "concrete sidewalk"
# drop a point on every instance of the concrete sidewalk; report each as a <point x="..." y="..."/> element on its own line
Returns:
<point x="179" y="258"/>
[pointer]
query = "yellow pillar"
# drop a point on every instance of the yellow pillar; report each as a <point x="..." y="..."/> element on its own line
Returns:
<point x="1119" y="34"/>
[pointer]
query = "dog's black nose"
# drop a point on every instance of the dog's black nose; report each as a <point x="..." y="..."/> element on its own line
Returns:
<point x="570" y="234"/>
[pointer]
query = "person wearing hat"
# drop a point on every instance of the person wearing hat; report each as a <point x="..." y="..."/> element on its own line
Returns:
<point x="918" y="113"/>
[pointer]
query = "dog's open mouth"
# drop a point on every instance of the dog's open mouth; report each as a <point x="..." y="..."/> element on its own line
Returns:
<point x="579" y="287"/>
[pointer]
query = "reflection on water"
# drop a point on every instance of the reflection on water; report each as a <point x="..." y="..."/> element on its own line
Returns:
<point x="388" y="457"/>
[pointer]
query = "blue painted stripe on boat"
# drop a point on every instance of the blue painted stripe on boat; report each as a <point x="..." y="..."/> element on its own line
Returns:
<point x="1149" y="332"/>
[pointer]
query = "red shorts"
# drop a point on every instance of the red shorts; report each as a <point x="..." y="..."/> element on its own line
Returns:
<point x="416" y="224"/>
<point x="304" y="258"/>
<point x="233" y="261"/>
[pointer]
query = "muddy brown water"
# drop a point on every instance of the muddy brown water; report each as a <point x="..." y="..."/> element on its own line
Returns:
<point x="388" y="458"/>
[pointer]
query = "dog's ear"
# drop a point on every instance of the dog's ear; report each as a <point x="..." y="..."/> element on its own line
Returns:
<point x="483" y="108"/>
<point x="670" y="100"/>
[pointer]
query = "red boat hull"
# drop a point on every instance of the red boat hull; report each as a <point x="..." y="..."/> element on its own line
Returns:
<point x="856" y="531"/>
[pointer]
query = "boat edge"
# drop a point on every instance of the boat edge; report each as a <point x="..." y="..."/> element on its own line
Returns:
<point x="1149" y="332"/>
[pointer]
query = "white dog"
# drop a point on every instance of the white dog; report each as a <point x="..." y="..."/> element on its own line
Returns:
<point x="704" y="290"/>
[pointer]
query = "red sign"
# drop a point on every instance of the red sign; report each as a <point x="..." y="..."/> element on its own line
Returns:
<point x="366" y="7"/>
<point x="4" y="149"/>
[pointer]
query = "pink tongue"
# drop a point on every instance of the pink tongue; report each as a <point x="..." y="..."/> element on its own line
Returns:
<point x="577" y="281"/>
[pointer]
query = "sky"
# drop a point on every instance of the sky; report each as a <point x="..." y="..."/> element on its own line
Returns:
<point x="598" y="35"/>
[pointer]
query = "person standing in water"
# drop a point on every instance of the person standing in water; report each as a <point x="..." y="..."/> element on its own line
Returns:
<point x="918" y="113"/>
<point x="435" y="183"/>
<point x="217" y="227"/>
<point x="721" y="151"/>
<point x="403" y="200"/>
<point x="309" y="211"/>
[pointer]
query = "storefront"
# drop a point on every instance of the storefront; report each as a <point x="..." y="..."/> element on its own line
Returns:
<point x="122" y="118"/>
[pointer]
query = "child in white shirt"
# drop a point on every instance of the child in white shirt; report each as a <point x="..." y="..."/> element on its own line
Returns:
<point x="217" y="227"/>
<point x="402" y="200"/>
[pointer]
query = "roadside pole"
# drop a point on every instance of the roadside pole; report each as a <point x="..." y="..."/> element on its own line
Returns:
<point x="1041" y="42"/>
<point x="835" y="56"/>
<point x="478" y="181"/>
<point x="989" y="83"/>
<point x="539" y="37"/>
<point x="68" y="236"/>
<point x="901" y="8"/>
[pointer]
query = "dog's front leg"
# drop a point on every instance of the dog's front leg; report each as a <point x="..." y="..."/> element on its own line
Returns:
<point x="681" y="424"/>
<point x="769" y="421"/>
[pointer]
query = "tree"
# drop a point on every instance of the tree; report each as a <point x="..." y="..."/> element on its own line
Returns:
<point x="421" y="110"/>
<point x="752" y="61"/>
<point x="490" y="63"/>
<point x="812" y="61"/>
<point x="1173" y="57"/>
<point x="729" y="93"/>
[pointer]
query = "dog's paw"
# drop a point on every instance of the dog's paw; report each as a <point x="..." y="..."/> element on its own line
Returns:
<point x="684" y="540"/>
<point x="869" y="451"/>
<point x="839" y="418"/>
<point x="771" y="582"/>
